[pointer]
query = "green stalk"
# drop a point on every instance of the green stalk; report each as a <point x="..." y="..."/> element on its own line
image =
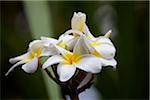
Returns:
<point x="39" y="19"/>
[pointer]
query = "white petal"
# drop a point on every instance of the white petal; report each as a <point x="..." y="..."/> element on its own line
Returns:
<point x="65" y="72"/>
<point x="62" y="51"/>
<point x="35" y="45"/>
<point x="81" y="46"/>
<point x="47" y="40"/>
<point x="15" y="59"/>
<point x="52" y="60"/>
<point x="88" y="33"/>
<point x="78" y="20"/>
<point x="72" y="43"/>
<point x="89" y="63"/>
<point x="85" y="80"/>
<point x="65" y="38"/>
<point x="31" y="66"/>
<point x="111" y="62"/>
<point x="108" y="34"/>
<point x="14" y="66"/>
<point x="48" y="51"/>
<point x="107" y="51"/>
<point x="104" y="40"/>
<point x="87" y="43"/>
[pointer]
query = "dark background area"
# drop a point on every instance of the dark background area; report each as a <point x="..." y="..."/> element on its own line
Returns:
<point x="131" y="23"/>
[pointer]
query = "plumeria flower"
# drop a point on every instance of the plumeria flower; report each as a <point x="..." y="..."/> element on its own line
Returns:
<point x="76" y="49"/>
<point x="78" y="28"/>
<point x="69" y="61"/>
<point x="62" y="41"/>
<point x="77" y="25"/>
<point x="103" y="48"/>
<point x="30" y="59"/>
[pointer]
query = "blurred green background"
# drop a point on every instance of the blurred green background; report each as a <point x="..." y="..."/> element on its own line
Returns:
<point x="130" y="24"/>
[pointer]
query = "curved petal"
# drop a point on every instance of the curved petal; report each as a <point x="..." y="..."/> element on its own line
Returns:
<point x="52" y="60"/>
<point x="104" y="40"/>
<point x="106" y="51"/>
<point x="62" y="51"/>
<point x="108" y="34"/>
<point x="85" y="80"/>
<point x="47" y="40"/>
<point x="14" y="66"/>
<point x="111" y="62"/>
<point x="72" y="43"/>
<point x="81" y="46"/>
<point x="88" y="33"/>
<point x="36" y="45"/>
<point x="88" y="44"/>
<point x="48" y="51"/>
<point x="65" y="38"/>
<point x="15" y="59"/>
<point x="31" y="66"/>
<point x="65" y="71"/>
<point x="90" y="64"/>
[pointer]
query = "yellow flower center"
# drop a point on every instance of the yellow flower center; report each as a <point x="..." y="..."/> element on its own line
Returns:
<point x="71" y="58"/>
<point x="35" y="53"/>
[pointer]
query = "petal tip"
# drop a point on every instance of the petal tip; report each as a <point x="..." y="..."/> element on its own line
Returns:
<point x="44" y="67"/>
<point x="108" y="33"/>
<point x="63" y="79"/>
<point x="7" y="74"/>
<point x="11" y="60"/>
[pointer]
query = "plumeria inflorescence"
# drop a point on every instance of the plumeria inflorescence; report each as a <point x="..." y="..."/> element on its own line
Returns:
<point x="76" y="49"/>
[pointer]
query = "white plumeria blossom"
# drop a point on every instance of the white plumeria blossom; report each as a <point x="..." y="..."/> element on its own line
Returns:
<point x="104" y="49"/>
<point x="102" y="46"/>
<point x="76" y="55"/>
<point x="68" y="61"/>
<point x="62" y="41"/>
<point x="77" y="26"/>
<point x="29" y="59"/>
<point x="76" y="48"/>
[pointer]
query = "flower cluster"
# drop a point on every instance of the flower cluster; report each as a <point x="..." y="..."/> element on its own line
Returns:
<point x="76" y="49"/>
